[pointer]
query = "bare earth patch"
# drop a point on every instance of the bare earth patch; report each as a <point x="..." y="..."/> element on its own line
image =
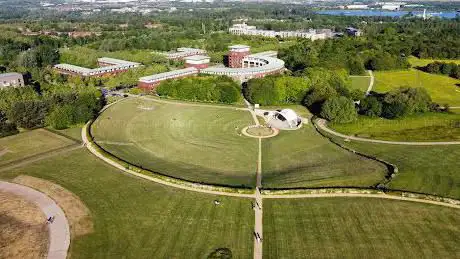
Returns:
<point x="78" y="215"/>
<point x="23" y="229"/>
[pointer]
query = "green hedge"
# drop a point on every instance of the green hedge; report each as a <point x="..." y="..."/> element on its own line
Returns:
<point x="202" y="88"/>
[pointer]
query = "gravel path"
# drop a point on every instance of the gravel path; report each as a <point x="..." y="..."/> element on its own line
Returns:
<point x="362" y="195"/>
<point x="371" y="82"/>
<point x="59" y="230"/>
<point x="321" y="123"/>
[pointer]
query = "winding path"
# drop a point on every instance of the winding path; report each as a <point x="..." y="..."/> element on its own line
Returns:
<point x="321" y="124"/>
<point x="371" y="82"/>
<point x="59" y="230"/>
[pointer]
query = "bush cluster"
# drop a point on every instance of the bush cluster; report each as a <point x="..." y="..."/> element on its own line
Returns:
<point x="25" y="108"/>
<point x="400" y="102"/>
<point x="276" y="90"/>
<point x="449" y="69"/>
<point x="202" y="88"/>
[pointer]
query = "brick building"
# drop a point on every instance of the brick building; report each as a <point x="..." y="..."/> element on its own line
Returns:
<point x="236" y="55"/>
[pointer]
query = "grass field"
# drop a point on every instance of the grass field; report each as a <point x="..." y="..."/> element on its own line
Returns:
<point x="361" y="83"/>
<point x="416" y="62"/>
<point x="443" y="89"/>
<point x="29" y="143"/>
<point x="135" y="218"/>
<point x="425" y="169"/>
<point x="193" y="143"/>
<point x="421" y="127"/>
<point x="303" y="158"/>
<point x="359" y="228"/>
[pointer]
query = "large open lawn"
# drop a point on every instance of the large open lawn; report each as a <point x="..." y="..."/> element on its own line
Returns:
<point x="425" y="169"/>
<point x="303" y="158"/>
<point x="417" y="62"/>
<point x="30" y="143"/>
<point x="359" y="228"/>
<point x="360" y="82"/>
<point x="443" y="89"/>
<point x="200" y="144"/>
<point x="134" y="218"/>
<point x="421" y="127"/>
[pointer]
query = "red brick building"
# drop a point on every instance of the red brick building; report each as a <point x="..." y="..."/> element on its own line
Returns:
<point x="236" y="55"/>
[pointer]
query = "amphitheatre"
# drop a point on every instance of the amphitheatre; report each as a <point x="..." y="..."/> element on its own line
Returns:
<point x="198" y="168"/>
<point x="153" y="177"/>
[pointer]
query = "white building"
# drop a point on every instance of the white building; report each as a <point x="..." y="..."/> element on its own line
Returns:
<point x="244" y="29"/>
<point x="106" y="66"/>
<point x="182" y="53"/>
<point x="11" y="80"/>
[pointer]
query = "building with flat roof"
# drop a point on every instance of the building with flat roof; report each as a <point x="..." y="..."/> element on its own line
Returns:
<point x="244" y="29"/>
<point x="11" y="80"/>
<point x="242" y="67"/>
<point x="236" y="55"/>
<point x="197" y="61"/>
<point x="182" y="53"/>
<point x="107" y="66"/>
<point x="151" y="82"/>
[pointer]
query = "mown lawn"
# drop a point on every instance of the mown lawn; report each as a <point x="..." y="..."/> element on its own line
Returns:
<point x="303" y="158"/>
<point x="135" y="218"/>
<point x="443" y="89"/>
<point x="416" y="62"/>
<point x="359" y="228"/>
<point x="200" y="144"/>
<point x="420" y="127"/>
<point x="30" y="143"/>
<point x="425" y="169"/>
<point x="361" y="83"/>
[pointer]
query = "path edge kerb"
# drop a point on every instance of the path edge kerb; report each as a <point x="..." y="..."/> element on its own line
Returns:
<point x="152" y="176"/>
<point x="322" y="124"/>
<point x="59" y="230"/>
<point x="230" y="191"/>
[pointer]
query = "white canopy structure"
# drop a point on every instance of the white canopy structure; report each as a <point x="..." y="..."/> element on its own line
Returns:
<point x="289" y="116"/>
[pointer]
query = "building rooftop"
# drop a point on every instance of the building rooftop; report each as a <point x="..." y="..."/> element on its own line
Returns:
<point x="76" y="69"/>
<point x="197" y="57"/>
<point x="238" y="46"/>
<point x="271" y="65"/>
<point x="270" y="53"/>
<point x="12" y="74"/>
<point x="168" y="74"/>
<point x="116" y="61"/>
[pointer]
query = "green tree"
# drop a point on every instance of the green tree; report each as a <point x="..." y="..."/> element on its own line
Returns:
<point x="28" y="114"/>
<point x="339" y="109"/>
<point x="370" y="106"/>
<point x="61" y="117"/>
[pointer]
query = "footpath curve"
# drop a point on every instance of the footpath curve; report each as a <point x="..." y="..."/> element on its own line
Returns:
<point x="321" y="124"/>
<point x="59" y="230"/>
<point x="360" y="195"/>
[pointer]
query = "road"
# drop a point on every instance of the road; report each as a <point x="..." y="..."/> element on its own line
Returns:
<point x="321" y="123"/>
<point x="59" y="230"/>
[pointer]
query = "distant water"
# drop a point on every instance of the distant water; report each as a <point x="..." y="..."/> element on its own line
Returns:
<point x="449" y="15"/>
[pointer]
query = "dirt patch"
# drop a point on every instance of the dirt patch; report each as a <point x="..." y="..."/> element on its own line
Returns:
<point x="3" y="152"/>
<point x="23" y="229"/>
<point x="78" y="215"/>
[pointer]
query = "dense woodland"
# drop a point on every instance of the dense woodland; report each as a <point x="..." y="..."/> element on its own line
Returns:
<point x="318" y="70"/>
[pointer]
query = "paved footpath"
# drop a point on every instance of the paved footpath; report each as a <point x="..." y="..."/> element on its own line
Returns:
<point x="371" y="82"/>
<point x="321" y="123"/>
<point x="59" y="230"/>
